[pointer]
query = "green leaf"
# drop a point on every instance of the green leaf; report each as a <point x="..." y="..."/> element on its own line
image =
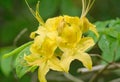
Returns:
<point x="111" y="32"/>
<point x="21" y="65"/>
<point x="109" y="41"/>
<point x="8" y="4"/>
<point x="103" y="44"/>
<point x="109" y="47"/>
<point x="6" y="64"/>
<point x="117" y="51"/>
<point x="17" y="50"/>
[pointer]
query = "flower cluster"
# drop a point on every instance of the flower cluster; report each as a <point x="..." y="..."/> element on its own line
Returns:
<point x="58" y="42"/>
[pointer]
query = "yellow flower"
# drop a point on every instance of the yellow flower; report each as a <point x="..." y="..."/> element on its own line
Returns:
<point x="70" y="41"/>
<point x="42" y="55"/>
<point x="59" y="41"/>
<point x="78" y="52"/>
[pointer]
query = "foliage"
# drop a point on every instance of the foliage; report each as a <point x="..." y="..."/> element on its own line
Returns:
<point x="109" y="41"/>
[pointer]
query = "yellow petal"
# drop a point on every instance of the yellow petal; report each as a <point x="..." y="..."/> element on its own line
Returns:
<point x="72" y="20"/>
<point x="41" y="31"/>
<point x="39" y="40"/>
<point x="53" y="24"/>
<point x="85" y="43"/>
<point x="52" y="35"/>
<point x="42" y="71"/>
<point x="54" y="64"/>
<point x="32" y="35"/>
<point x="36" y="46"/>
<point x="66" y="60"/>
<point x="33" y="59"/>
<point x="93" y="29"/>
<point x="85" y="59"/>
<point x="48" y="47"/>
<point x="86" y="25"/>
<point x="71" y="34"/>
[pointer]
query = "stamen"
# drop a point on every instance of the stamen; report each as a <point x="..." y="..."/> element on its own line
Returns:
<point x="36" y="14"/>
<point x="38" y="17"/>
<point x="31" y="10"/>
<point x="86" y="7"/>
<point x="83" y="7"/>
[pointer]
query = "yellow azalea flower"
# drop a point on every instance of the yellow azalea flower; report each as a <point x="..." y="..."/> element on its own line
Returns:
<point x="42" y="55"/>
<point x="78" y="52"/>
<point x="59" y="41"/>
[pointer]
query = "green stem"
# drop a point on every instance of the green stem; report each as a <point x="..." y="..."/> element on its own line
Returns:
<point x="17" y="50"/>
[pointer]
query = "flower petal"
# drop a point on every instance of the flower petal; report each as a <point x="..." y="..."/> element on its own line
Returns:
<point x="86" y="25"/>
<point x="85" y="59"/>
<point x="48" y="47"/>
<point x="54" y="23"/>
<point x="54" y="64"/>
<point x="42" y="71"/>
<point x="33" y="59"/>
<point x="85" y="43"/>
<point x="66" y="60"/>
<point x="32" y="35"/>
<point x="93" y="29"/>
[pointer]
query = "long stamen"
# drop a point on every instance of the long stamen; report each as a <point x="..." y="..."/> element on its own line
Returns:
<point x="31" y="10"/>
<point x="38" y="17"/>
<point x="83" y="7"/>
<point x="90" y="3"/>
<point x="86" y="7"/>
<point x="36" y="13"/>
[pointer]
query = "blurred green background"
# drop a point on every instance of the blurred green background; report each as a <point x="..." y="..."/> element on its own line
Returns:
<point x="17" y="22"/>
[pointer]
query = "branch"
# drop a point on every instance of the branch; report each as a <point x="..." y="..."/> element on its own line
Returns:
<point x="99" y="56"/>
<point x="99" y="67"/>
<point x="115" y="80"/>
<point x="19" y="35"/>
<point x="94" y="77"/>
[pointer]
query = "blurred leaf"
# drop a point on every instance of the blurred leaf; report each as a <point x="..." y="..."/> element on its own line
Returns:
<point x="6" y="64"/>
<point x="11" y="30"/>
<point x="103" y="44"/>
<point x="117" y="71"/>
<point x="112" y="32"/>
<point x="21" y="65"/>
<point x="109" y="41"/>
<point x="110" y="47"/>
<point x="6" y="4"/>
<point x="68" y="8"/>
<point x="48" y="8"/>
